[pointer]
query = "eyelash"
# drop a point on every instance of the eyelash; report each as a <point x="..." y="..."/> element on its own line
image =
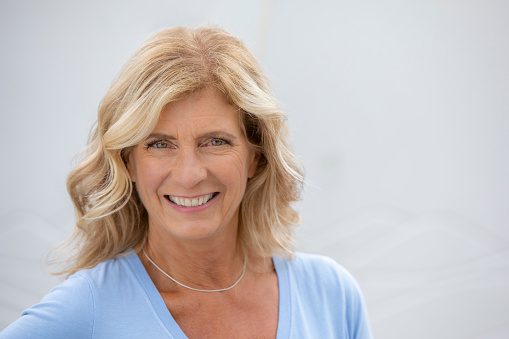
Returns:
<point x="152" y="144"/>
<point x="223" y="141"/>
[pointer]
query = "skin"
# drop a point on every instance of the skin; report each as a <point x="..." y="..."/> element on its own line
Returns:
<point x="198" y="148"/>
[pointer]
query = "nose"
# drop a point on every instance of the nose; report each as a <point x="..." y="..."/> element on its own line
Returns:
<point x="189" y="169"/>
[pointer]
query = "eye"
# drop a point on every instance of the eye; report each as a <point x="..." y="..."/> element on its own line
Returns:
<point x="160" y="144"/>
<point x="217" y="142"/>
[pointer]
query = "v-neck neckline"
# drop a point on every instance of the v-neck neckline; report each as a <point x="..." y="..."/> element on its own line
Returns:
<point x="167" y="320"/>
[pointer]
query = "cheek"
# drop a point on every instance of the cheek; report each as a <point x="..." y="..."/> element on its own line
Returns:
<point x="233" y="171"/>
<point x="148" y="176"/>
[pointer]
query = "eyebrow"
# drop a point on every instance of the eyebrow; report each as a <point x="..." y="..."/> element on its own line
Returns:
<point x="213" y="134"/>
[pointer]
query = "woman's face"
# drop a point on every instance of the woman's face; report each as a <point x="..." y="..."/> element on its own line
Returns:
<point x="191" y="172"/>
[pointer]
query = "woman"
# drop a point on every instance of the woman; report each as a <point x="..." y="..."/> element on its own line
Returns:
<point x="184" y="216"/>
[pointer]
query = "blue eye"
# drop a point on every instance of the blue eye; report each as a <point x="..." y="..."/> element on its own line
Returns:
<point x="217" y="142"/>
<point x="160" y="144"/>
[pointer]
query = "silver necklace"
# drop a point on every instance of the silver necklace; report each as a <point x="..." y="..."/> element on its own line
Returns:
<point x="196" y="289"/>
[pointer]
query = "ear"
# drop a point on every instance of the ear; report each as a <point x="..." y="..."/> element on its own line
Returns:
<point x="130" y="166"/>
<point x="253" y="166"/>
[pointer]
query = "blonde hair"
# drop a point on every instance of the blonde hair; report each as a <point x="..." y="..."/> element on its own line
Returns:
<point x="169" y="66"/>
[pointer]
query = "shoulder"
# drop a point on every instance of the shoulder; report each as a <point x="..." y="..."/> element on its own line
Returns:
<point x="314" y="262"/>
<point x="328" y="296"/>
<point x="64" y="312"/>
<point x="108" y="274"/>
<point x="70" y="308"/>
<point x="321" y="270"/>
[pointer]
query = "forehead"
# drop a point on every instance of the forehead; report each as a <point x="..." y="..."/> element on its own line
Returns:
<point x="205" y="108"/>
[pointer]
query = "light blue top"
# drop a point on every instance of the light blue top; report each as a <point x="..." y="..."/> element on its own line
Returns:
<point x="117" y="299"/>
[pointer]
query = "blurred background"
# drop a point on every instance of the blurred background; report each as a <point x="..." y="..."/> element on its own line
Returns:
<point x="399" y="112"/>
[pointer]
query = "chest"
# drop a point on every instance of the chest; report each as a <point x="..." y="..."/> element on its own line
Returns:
<point x="250" y="312"/>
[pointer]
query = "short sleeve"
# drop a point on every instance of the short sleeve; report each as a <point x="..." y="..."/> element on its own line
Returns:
<point x="66" y="312"/>
<point x="327" y="301"/>
<point x="356" y="313"/>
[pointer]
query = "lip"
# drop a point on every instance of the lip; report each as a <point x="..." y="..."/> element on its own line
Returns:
<point x="191" y="209"/>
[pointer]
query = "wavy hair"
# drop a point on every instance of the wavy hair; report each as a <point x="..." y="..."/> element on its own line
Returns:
<point x="171" y="64"/>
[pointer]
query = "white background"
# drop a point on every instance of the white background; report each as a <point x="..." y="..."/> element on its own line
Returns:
<point x="399" y="112"/>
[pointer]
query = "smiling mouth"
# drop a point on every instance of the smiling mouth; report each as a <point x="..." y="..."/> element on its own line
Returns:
<point x="188" y="202"/>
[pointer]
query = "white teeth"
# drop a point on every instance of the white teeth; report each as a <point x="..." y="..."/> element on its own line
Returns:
<point x="191" y="202"/>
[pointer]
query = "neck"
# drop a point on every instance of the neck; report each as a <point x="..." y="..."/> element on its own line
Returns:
<point x="199" y="264"/>
<point x="192" y="288"/>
